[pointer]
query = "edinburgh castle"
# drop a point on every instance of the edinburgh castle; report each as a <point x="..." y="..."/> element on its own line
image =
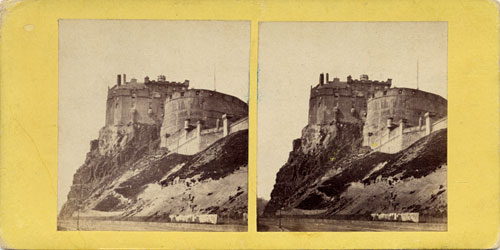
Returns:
<point x="190" y="119"/>
<point x="393" y="118"/>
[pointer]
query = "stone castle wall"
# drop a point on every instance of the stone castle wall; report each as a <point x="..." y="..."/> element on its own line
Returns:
<point x="401" y="137"/>
<point x="332" y="101"/>
<point x="138" y="105"/>
<point x="393" y="105"/>
<point x="191" y="119"/>
<point x="134" y="102"/>
<point x="381" y="109"/>
<point x="192" y="140"/>
<point x="195" y="105"/>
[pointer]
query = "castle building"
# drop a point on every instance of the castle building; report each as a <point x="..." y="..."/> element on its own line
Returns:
<point x="338" y="101"/>
<point x="206" y="106"/>
<point x="398" y="117"/>
<point x="190" y="119"/>
<point x="134" y="102"/>
<point x="196" y="118"/>
<point x="393" y="118"/>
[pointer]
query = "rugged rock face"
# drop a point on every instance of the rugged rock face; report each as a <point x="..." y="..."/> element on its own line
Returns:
<point x="127" y="175"/>
<point x="329" y="174"/>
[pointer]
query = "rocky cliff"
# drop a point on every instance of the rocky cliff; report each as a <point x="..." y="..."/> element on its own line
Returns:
<point x="329" y="174"/>
<point x="127" y="176"/>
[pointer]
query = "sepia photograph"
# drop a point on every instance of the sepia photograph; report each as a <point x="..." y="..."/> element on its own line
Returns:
<point x="153" y="125"/>
<point x="352" y="126"/>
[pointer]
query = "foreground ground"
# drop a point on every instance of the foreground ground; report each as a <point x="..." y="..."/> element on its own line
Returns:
<point x="323" y="225"/>
<point x="102" y="225"/>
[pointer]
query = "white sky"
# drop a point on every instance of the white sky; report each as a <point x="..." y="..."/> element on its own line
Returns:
<point x="93" y="52"/>
<point x="292" y="55"/>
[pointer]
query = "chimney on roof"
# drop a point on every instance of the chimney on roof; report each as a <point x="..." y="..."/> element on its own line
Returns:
<point x="327" y="78"/>
<point x="124" y="79"/>
<point x="321" y="79"/>
<point x="118" y="80"/>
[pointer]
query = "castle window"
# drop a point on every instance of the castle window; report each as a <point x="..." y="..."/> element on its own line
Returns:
<point x="400" y="91"/>
<point x="385" y="92"/>
<point x="197" y="92"/>
<point x="182" y="93"/>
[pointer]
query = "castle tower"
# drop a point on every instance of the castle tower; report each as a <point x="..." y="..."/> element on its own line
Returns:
<point x="200" y="105"/>
<point x="402" y="103"/>
<point x="402" y="106"/>
<point x="139" y="102"/>
<point x="338" y="101"/>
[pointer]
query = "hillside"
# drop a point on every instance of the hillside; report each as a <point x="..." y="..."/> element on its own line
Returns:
<point x="328" y="174"/>
<point x="127" y="176"/>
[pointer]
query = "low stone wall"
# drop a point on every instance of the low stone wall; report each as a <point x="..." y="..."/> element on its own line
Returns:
<point x="195" y="140"/>
<point x="399" y="138"/>
<point x="241" y="124"/>
<point x="440" y="124"/>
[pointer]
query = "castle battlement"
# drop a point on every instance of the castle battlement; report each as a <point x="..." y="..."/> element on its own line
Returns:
<point x="401" y="103"/>
<point x="201" y="93"/>
<point x="325" y="82"/>
<point x="200" y="105"/>
<point x="408" y="92"/>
